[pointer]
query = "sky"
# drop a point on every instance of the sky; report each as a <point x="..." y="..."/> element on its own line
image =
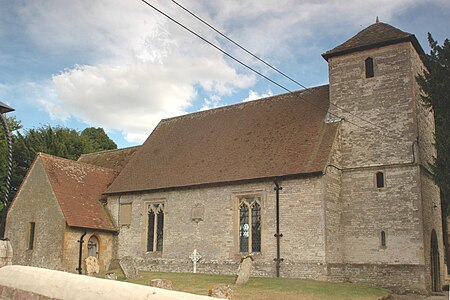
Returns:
<point x="119" y="65"/>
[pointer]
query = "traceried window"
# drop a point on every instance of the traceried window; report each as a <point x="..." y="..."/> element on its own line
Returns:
<point x="155" y="229"/>
<point x="369" y="67"/>
<point x="250" y="224"/>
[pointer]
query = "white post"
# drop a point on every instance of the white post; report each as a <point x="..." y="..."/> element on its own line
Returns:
<point x="195" y="257"/>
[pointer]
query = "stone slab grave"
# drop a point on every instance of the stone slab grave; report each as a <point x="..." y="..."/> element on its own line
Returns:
<point x="129" y="269"/>
<point x="162" y="283"/>
<point x="111" y="276"/>
<point x="220" y="290"/>
<point x="92" y="266"/>
<point x="245" y="268"/>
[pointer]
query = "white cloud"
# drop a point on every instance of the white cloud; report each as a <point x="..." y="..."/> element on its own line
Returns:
<point x="136" y="67"/>
<point x="213" y="101"/>
<point x="140" y="68"/>
<point x="252" y="95"/>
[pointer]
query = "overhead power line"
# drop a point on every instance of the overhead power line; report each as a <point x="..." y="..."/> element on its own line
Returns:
<point x="266" y="63"/>
<point x="252" y="69"/>
<point x="238" y="45"/>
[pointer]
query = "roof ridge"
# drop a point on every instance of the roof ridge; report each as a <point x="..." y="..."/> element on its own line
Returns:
<point x="376" y="35"/>
<point x="105" y="151"/>
<point x="42" y="154"/>
<point x="245" y="103"/>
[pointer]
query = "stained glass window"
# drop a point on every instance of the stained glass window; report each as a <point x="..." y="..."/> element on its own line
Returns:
<point x="249" y="225"/>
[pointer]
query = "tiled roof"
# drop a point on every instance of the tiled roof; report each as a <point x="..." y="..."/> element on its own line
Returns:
<point x="78" y="188"/>
<point x="374" y="36"/>
<point x="276" y="136"/>
<point x="112" y="159"/>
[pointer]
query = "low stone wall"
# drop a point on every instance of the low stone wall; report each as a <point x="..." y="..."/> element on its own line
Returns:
<point x="398" y="278"/>
<point x="21" y="282"/>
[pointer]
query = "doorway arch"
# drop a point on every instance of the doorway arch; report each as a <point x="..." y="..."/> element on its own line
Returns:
<point x="93" y="246"/>
<point x="435" y="263"/>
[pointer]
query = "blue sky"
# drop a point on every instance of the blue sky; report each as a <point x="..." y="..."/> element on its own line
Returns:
<point x="119" y="65"/>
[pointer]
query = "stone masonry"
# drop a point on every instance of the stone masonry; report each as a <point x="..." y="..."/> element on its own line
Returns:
<point x="337" y="225"/>
<point x="400" y="147"/>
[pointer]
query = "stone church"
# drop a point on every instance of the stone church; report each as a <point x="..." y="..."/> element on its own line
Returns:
<point x="329" y="183"/>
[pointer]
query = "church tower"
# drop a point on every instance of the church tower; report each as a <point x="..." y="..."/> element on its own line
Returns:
<point x="390" y="213"/>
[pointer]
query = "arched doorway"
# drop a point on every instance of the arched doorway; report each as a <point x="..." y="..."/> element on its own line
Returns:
<point x="435" y="263"/>
<point x="93" y="246"/>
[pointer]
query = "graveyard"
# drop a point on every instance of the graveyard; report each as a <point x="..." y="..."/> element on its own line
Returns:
<point x="263" y="288"/>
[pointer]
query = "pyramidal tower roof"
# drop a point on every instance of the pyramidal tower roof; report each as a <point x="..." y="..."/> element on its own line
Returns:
<point x="376" y="35"/>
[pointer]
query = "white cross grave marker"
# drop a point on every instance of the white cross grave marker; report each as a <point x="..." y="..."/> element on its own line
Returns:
<point x="195" y="257"/>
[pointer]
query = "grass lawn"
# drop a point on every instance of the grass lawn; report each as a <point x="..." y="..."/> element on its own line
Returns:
<point x="261" y="288"/>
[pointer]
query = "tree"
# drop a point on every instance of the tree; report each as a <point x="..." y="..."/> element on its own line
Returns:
<point x="58" y="141"/>
<point x="95" y="140"/>
<point x="13" y="125"/>
<point x="435" y="85"/>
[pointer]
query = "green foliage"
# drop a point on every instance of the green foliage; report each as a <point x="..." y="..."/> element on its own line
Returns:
<point x="261" y="288"/>
<point x="435" y="85"/>
<point x="58" y="141"/>
<point x="95" y="139"/>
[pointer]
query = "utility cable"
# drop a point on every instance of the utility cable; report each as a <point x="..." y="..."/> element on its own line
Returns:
<point x="245" y="65"/>
<point x="238" y="45"/>
<point x="266" y="63"/>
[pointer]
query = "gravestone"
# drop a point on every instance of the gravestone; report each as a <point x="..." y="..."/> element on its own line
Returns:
<point x="6" y="253"/>
<point x="92" y="267"/>
<point x="195" y="257"/>
<point x="220" y="290"/>
<point x="129" y="269"/>
<point x="245" y="268"/>
<point x="162" y="283"/>
<point x="111" y="275"/>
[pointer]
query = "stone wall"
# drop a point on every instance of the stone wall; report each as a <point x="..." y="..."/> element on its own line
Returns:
<point x="216" y="236"/>
<point x="71" y="249"/>
<point x="385" y="100"/>
<point x="23" y="282"/>
<point x="431" y="203"/>
<point x="333" y="203"/>
<point x="432" y="221"/>
<point x="35" y="202"/>
<point x="397" y="142"/>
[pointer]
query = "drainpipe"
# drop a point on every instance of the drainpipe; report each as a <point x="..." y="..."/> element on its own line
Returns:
<point x="278" y="235"/>
<point x="80" y="253"/>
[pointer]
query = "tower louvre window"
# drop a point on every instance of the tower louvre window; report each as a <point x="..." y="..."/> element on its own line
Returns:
<point x="369" y="67"/>
<point x="31" y="235"/>
<point x="380" y="179"/>
<point x="383" y="239"/>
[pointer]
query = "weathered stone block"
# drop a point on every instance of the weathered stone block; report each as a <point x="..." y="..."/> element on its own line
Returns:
<point x="220" y="290"/>
<point x="162" y="283"/>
